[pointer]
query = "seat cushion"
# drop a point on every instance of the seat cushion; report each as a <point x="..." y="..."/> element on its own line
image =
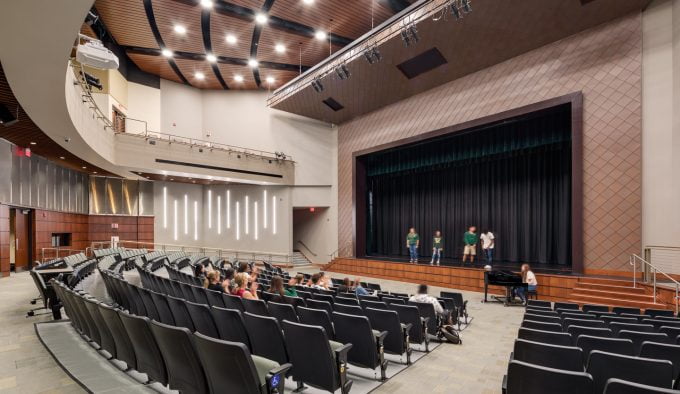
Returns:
<point x="263" y="366"/>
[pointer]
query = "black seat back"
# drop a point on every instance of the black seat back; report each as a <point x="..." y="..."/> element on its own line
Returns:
<point x="525" y="378"/>
<point x="662" y="351"/>
<point x="228" y="366"/>
<point x="319" y="304"/>
<point x="595" y="308"/>
<point x="427" y="310"/>
<point x="543" y="326"/>
<point x="266" y="337"/>
<point x="357" y="331"/>
<point x="323" y="297"/>
<point x="187" y="292"/>
<point x="620" y="309"/>
<point x="617" y="326"/>
<point x="544" y="304"/>
<point x="346" y="301"/>
<point x="388" y="320"/>
<point x="569" y="358"/>
<point x="214" y="298"/>
<point x="654" y="313"/>
<point x="180" y="313"/>
<point x="583" y="323"/>
<point x="185" y="372"/>
<point x="576" y="331"/>
<point x="373" y="304"/>
<point x="233" y="302"/>
<point x="176" y="289"/>
<point x="316" y="368"/>
<point x="411" y="314"/>
<point x="603" y="366"/>
<point x="200" y="295"/>
<point x="151" y="310"/>
<point x="149" y="357"/>
<point x="256" y="307"/>
<point x="282" y="312"/>
<point x="620" y="386"/>
<point x="543" y="318"/>
<point x="548" y="337"/>
<point x="160" y="302"/>
<point x="349" y="309"/>
<point x="106" y="338"/>
<point x="89" y="328"/>
<point x="230" y="325"/>
<point x="393" y="300"/>
<point x="124" y="350"/>
<point x="566" y="305"/>
<point x="639" y="337"/>
<point x="202" y="319"/>
<point x="610" y="345"/>
<point x="317" y="317"/>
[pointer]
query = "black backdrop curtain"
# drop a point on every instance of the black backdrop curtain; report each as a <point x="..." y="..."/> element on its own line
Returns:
<point x="513" y="178"/>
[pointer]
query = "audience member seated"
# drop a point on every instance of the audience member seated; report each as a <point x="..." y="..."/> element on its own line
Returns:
<point x="529" y="278"/>
<point x="346" y="286"/>
<point x="359" y="290"/>
<point x="212" y="282"/>
<point x="315" y="282"/>
<point x="241" y="288"/>
<point x="297" y="280"/>
<point x="423" y="297"/>
<point x="279" y="293"/>
<point x="199" y="271"/>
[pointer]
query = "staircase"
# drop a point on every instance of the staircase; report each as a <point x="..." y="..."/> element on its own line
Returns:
<point x="614" y="292"/>
<point x="299" y="259"/>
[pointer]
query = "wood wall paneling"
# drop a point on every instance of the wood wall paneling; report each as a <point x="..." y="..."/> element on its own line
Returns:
<point x="4" y="240"/>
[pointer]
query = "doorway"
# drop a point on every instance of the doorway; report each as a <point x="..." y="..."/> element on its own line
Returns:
<point x="20" y="240"/>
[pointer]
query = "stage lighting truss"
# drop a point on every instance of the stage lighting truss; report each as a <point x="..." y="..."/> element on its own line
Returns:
<point x="342" y="71"/>
<point x="460" y="8"/>
<point x="409" y="34"/>
<point x="317" y="85"/>
<point x="372" y="54"/>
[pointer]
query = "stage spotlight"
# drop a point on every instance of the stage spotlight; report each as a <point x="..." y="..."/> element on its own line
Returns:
<point x="413" y="31"/>
<point x="372" y="54"/>
<point x="409" y="34"/>
<point x="466" y="6"/>
<point x="317" y="85"/>
<point x="342" y="71"/>
<point x="454" y="9"/>
<point x="93" y="81"/>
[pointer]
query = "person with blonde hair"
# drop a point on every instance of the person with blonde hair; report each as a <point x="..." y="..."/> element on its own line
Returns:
<point x="212" y="282"/>
<point x="241" y="288"/>
<point x="529" y="278"/>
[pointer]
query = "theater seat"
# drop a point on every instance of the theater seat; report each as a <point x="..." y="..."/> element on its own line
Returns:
<point x="553" y="356"/>
<point x="266" y="337"/>
<point x="230" y="325"/>
<point x="149" y="357"/>
<point x="124" y="350"/>
<point x="409" y="314"/>
<point x="397" y="340"/>
<point x="526" y="378"/>
<point x="603" y="366"/>
<point x="620" y="386"/>
<point x="367" y="346"/>
<point x="202" y="319"/>
<point x="282" y="312"/>
<point x="317" y="317"/>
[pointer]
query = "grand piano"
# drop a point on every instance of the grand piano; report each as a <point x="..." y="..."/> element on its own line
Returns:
<point x="507" y="279"/>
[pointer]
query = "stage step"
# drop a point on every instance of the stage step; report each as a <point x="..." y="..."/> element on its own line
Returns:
<point x="607" y="281"/>
<point x="600" y="300"/>
<point x="621" y="294"/>
<point x="612" y="292"/>
<point x="613" y="288"/>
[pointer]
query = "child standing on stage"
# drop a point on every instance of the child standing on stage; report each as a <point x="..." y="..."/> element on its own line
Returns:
<point x="412" y="243"/>
<point x="488" y="243"/>
<point x="470" y="240"/>
<point x="437" y="247"/>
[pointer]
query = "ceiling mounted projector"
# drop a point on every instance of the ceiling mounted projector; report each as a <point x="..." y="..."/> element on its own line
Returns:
<point x="94" y="54"/>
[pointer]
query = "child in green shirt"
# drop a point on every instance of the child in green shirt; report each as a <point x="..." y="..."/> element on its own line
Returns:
<point x="470" y="240"/>
<point x="437" y="247"/>
<point x="412" y="243"/>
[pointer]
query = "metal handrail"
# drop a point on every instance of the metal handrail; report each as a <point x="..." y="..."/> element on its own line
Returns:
<point x="336" y="252"/>
<point x="307" y="247"/>
<point x="57" y="252"/>
<point x="160" y="136"/>
<point x="646" y="264"/>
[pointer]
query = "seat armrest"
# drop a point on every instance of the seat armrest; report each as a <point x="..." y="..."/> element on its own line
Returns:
<point x="276" y="377"/>
<point x="381" y="336"/>
<point x="425" y="320"/>
<point x="341" y="353"/>
<point x="504" y="385"/>
<point x="407" y="327"/>
<point x="512" y="356"/>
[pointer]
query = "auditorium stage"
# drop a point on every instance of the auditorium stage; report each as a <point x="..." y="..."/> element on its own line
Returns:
<point x="480" y="263"/>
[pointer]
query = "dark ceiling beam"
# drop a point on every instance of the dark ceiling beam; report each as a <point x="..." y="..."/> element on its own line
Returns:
<point x="397" y="6"/>
<point x="255" y="41"/>
<point x="220" y="59"/>
<point x="207" y="43"/>
<point x="148" y="8"/>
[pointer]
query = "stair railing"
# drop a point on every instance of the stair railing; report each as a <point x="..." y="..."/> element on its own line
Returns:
<point x="645" y="268"/>
<point x="339" y="250"/>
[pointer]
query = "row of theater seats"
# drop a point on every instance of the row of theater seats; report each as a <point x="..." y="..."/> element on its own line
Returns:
<point x="169" y="355"/>
<point x="564" y="349"/>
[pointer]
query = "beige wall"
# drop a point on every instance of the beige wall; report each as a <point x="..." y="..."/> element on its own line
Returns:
<point x="604" y="63"/>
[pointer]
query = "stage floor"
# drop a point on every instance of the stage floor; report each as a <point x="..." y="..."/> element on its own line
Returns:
<point x="480" y="263"/>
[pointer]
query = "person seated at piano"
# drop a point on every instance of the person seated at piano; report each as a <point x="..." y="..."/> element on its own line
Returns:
<point x="529" y="278"/>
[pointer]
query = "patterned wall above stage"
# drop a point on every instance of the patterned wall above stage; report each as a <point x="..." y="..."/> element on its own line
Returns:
<point x="605" y="64"/>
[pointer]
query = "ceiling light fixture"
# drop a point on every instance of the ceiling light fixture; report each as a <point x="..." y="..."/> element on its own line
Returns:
<point x="466" y="6"/>
<point x="320" y="35"/>
<point x="211" y="58"/>
<point x="280" y="48"/>
<point x="270" y="80"/>
<point x="32" y="142"/>
<point x="207" y="3"/>
<point x="84" y="167"/>
<point x="199" y="75"/>
<point x="231" y="39"/>
<point x="252" y="63"/>
<point x="308" y="1"/>
<point x="238" y="78"/>
<point x="317" y="85"/>
<point x="94" y="172"/>
<point x="179" y="29"/>
<point x="62" y="157"/>
<point x="342" y="71"/>
<point x="409" y="34"/>
<point x="372" y="54"/>
<point x="261" y="18"/>
<point x="455" y="11"/>
<point x="166" y="52"/>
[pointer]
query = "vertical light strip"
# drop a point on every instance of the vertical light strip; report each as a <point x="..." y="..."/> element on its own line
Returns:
<point x="257" y="224"/>
<point x="165" y="206"/>
<point x="174" y="219"/>
<point x="195" y="220"/>
<point x="238" y="225"/>
<point x="264" y="208"/>
<point x="228" y="209"/>
<point x="247" y="216"/>
<point x="274" y="214"/>
<point x="186" y="214"/>
<point x="219" y="214"/>
<point x="209" y="208"/>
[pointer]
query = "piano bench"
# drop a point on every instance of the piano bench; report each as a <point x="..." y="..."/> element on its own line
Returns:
<point x="532" y="295"/>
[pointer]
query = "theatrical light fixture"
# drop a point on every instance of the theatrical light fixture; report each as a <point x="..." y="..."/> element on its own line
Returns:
<point x="317" y="85"/>
<point x="200" y="75"/>
<point x="62" y="157"/>
<point x="320" y="35"/>
<point x="179" y="29"/>
<point x="342" y="71"/>
<point x="308" y="1"/>
<point x="252" y="63"/>
<point x="279" y="48"/>
<point x="166" y="52"/>
<point x="261" y="18"/>
<point x="207" y="3"/>
<point x="466" y="6"/>
<point x="409" y="34"/>
<point x="238" y="78"/>
<point x="231" y="39"/>
<point x="211" y="58"/>
<point x="270" y="80"/>
<point x="93" y="81"/>
<point x="372" y="54"/>
<point x="454" y="9"/>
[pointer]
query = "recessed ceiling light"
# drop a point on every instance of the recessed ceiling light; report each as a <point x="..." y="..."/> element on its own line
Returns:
<point x="94" y="172"/>
<point x="270" y="79"/>
<point x="171" y="179"/>
<point x="253" y="63"/>
<point x="84" y="167"/>
<point x="32" y="143"/>
<point x="308" y="1"/>
<point x="207" y="3"/>
<point x="261" y="18"/>
<point x="280" y="48"/>
<point x="211" y="58"/>
<point x="320" y="35"/>
<point x="62" y="157"/>
<point x="180" y="29"/>
<point x="231" y="39"/>
<point x="166" y="52"/>
<point x="199" y="75"/>
<point x="238" y="78"/>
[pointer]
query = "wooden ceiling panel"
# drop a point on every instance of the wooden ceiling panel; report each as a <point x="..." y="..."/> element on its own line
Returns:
<point x="222" y="25"/>
<point x="281" y="77"/>
<point x="157" y="65"/>
<point x="229" y="71"/>
<point x="190" y="67"/>
<point x="126" y="21"/>
<point x="169" y="13"/>
<point x="349" y="20"/>
<point x="313" y="50"/>
<point x="87" y="30"/>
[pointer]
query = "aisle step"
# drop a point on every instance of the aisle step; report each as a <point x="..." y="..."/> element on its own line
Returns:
<point x="600" y="300"/>
<point x="642" y="297"/>
<point x="612" y="288"/>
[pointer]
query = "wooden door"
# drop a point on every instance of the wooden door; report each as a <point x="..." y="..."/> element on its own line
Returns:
<point x="22" y="241"/>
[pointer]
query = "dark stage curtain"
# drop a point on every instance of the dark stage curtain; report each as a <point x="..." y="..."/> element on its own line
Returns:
<point x="512" y="178"/>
